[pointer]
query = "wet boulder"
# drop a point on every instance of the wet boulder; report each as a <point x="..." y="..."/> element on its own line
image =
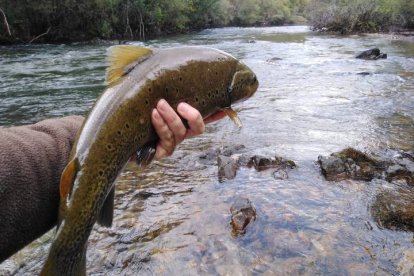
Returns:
<point x="280" y="165"/>
<point x="242" y="213"/>
<point x="260" y="162"/>
<point x="394" y="209"/>
<point x="350" y="164"/>
<point x="333" y="168"/>
<point x="372" y="54"/>
<point x="402" y="169"/>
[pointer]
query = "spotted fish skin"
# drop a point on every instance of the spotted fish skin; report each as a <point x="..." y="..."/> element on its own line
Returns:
<point x="120" y="125"/>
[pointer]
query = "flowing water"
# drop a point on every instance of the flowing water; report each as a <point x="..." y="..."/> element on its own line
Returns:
<point x="172" y="218"/>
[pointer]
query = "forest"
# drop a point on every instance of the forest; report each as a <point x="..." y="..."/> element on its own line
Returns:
<point x="57" y="21"/>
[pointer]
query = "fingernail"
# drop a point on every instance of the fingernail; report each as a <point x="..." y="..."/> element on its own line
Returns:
<point x="162" y="104"/>
<point x="155" y="114"/>
<point x="182" y="108"/>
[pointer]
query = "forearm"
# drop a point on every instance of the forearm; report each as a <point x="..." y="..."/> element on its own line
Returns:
<point x="32" y="158"/>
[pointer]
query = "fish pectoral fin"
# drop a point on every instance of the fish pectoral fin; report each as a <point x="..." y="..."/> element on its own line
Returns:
<point x="107" y="211"/>
<point x="67" y="178"/>
<point x="122" y="59"/>
<point x="146" y="153"/>
<point x="233" y="116"/>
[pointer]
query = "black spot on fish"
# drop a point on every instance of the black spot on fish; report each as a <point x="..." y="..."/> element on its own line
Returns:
<point x="217" y="91"/>
<point x="101" y="172"/>
<point x="149" y="89"/>
<point x="109" y="146"/>
<point x="126" y="125"/>
<point x="166" y="89"/>
<point x="196" y="99"/>
<point x="146" y="102"/>
<point x="181" y="79"/>
<point x="119" y="132"/>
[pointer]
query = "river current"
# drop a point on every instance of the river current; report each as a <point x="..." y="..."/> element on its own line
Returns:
<point x="173" y="218"/>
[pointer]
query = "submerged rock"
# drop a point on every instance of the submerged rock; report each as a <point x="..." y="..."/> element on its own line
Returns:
<point x="242" y="212"/>
<point x="406" y="265"/>
<point x="273" y="59"/>
<point x="372" y="54"/>
<point x="227" y="167"/>
<point x="280" y="174"/>
<point x="364" y="73"/>
<point x="394" y="209"/>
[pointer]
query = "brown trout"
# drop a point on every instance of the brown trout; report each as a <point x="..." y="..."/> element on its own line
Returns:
<point x="119" y="126"/>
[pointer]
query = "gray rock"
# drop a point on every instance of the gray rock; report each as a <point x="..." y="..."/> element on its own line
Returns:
<point x="333" y="168"/>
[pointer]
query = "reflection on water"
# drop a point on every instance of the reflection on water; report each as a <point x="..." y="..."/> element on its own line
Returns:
<point x="174" y="215"/>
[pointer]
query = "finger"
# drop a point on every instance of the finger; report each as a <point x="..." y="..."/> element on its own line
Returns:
<point x="216" y="116"/>
<point x="166" y="144"/>
<point x="172" y="120"/>
<point x="193" y="117"/>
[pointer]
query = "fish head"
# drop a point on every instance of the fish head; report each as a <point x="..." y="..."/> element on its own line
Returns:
<point x="243" y="85"/>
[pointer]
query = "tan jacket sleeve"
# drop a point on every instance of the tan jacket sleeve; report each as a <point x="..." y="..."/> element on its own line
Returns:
<point x="32" y="158"/>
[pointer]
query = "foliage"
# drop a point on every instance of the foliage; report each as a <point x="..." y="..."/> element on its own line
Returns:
<point x="75" y="20"/>
<point x="361" y="15"/>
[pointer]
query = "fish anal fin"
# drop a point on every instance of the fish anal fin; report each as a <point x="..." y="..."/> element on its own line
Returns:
<point x="122" y="59"/>
<point x="233" y="116"/>
<point x="67" y="178"/>
<point x="107" y="211"/>
<point x="146" y="153"/>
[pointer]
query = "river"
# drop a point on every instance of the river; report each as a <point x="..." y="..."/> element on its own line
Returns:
<point x="173" y="217"/>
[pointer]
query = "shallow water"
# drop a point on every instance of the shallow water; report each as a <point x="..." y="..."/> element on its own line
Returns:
<point x="173" y="217"/>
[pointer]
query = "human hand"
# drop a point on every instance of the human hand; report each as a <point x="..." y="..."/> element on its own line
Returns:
<point x="170" y="128"/>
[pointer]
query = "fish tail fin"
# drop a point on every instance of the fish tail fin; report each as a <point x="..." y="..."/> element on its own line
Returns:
<point x="56" y="266"/>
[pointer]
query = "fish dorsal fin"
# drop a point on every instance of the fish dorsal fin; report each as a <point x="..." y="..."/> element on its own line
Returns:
<point x="233" y="116"/>
<point x="122" y="59"/>
<point x="67" y="178"/>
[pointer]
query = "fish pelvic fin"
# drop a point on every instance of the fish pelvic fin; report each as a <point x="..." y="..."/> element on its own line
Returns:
<point x="68" y="177"/>
<point x="233" y="116"/>
<point x="107" y="211"/>
<point x="122" y="59"/>
<point x="146" y="153"/>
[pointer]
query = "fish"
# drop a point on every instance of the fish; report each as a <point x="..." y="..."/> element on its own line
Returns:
<point x="119" y="127"/>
